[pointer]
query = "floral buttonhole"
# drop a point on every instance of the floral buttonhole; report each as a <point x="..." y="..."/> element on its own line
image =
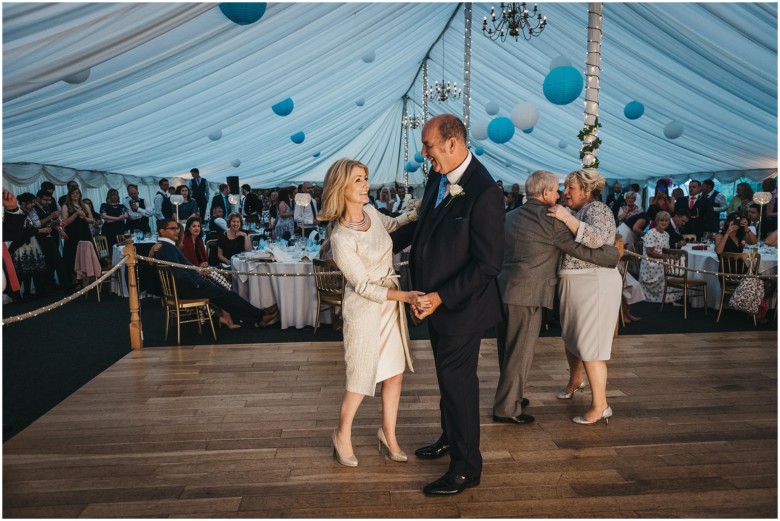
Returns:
<point x="455" y="191"/>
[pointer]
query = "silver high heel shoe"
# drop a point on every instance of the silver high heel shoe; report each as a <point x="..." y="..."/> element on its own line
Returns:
<point x="395" y="456"/>
<point x="349" y="461"/>
<point x="606" y="415"/>
<point x="563" y="395"/>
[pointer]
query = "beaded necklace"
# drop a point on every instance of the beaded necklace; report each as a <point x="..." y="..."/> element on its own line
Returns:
<point x="356" y="226"/>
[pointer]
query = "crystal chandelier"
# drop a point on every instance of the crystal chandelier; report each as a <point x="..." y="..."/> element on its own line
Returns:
<point x="515" y="20"/>
<point x="443" y="91"/>
<point x="412" y="120"/>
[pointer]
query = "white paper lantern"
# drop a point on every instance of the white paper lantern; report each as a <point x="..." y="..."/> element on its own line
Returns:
<point x="673" y="130"/>
<point x="235" y="163"/>
<point x="491" y="107"/>
<point x="525" y="115"/>
<point x="479" y="131"/>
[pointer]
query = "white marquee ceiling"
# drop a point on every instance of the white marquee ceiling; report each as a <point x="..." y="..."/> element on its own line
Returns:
<point x="163" y="76"/>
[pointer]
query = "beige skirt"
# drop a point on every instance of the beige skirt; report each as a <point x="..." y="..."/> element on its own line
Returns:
<point x="590" y="303"/>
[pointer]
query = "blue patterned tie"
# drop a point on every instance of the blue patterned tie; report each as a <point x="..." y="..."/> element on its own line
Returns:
<point x="442" y="191"/>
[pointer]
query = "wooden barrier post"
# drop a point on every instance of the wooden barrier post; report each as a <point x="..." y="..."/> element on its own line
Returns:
<point x="136" y="329"/>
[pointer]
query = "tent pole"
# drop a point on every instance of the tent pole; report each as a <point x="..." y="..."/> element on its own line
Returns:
<point x="589" y="134"/>
<point x="467" y="68"/>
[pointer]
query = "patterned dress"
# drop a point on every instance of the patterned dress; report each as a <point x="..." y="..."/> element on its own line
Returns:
<point x="590" y="294"/>
<point x="651" y="274"/>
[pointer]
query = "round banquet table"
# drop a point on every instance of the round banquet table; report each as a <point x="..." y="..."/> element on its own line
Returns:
<point x="296" y="297"/>
<point x="708" y="260"/>
<point x="145" y="271"/>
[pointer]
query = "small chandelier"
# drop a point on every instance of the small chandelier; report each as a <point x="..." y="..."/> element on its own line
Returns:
<point x="442" y="92"/>
<point x="412" y="121"/>
<point x="516" y="18"/>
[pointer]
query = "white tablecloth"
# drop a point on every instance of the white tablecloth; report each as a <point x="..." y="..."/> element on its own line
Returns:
<point x="296" y="297"/>
<point x="119" y="284"/>
<point x="708" y="260"/>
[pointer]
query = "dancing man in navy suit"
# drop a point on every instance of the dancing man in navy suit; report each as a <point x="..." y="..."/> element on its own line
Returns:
<point x="457" y="250"/>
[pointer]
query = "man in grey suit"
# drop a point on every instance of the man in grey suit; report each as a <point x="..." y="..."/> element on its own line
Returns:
<point x="533" y="243"/>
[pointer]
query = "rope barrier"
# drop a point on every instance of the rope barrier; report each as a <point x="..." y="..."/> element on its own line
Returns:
<point x="152" y="260"/>
<point x="69" y="298"/>
<point x="703" y="272"/>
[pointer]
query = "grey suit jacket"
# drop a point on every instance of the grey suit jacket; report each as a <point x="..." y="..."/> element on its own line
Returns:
<point x="533" y="243"/>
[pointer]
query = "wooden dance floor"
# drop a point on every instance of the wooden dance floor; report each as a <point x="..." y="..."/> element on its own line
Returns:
<point x="243" y="431"/>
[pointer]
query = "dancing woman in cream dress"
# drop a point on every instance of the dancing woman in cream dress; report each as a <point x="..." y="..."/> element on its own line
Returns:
<point x="376" y="337"/>
<point x="589" y="294"/>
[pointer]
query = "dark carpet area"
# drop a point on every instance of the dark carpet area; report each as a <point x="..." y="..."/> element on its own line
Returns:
<point x="48" y="357"/>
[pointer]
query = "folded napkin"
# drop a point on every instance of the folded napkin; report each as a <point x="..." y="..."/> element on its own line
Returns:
<point x="281" y="256"/>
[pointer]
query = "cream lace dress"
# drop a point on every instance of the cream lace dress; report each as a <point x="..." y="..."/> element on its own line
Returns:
<point x="376" y="336"/>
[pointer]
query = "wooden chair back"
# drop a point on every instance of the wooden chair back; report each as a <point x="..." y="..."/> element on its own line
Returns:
<point x="121" y="237"/>
<point x="328" y="286"/>
<point x="732" y="265"/>
<point x="675" y="262"/>
<point x="690" y="237"/>
<point x="101" y="247"/>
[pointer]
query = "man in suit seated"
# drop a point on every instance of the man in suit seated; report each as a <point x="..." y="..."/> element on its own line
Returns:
<point x="677" y="224"/>
<point x="533" y="243"/>
<point x="190" y="284"/>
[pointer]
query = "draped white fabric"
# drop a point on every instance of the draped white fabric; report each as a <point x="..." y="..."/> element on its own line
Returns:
<point x="163" y="76"/>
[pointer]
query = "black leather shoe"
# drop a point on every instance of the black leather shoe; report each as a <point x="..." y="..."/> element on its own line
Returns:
<point x="524" y="403"/>
<point x="523" y="418"/>
<point x="437" y="450"/>
<point x="449" y="484"/>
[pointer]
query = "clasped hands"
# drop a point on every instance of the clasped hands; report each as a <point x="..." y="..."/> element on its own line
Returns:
<point x="424" y="304"/>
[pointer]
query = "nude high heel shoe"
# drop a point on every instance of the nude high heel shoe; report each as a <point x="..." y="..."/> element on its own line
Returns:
<point x="395" y="456"/>
<point x="563" y="395"/>
<point x="606" y="415"/>
<point x="349" y="461"/>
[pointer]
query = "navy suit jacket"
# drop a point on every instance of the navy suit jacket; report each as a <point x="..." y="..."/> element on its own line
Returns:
<point x="189" y="278"/>
<point x="457" y="250"/>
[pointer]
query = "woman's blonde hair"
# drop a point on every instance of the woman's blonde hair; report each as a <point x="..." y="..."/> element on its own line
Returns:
<point x="589" y="179"/>
<point x="334" y="205"/>
<point x="663" y="216"/>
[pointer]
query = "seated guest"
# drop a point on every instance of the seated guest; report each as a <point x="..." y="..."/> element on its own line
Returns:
<point x="630" y="209"/>
<point x="192" y="245"/>
<point x="633" y="228"/>
<point x="753" y="214"/>
<point x="190" y="284"/>
<point x="771" y="239"/>
<point x="217" y="223"/>
<point x="233" y="241"/>
<point x="679" y="219"/>
<point x="651" y="274"/>
<point x="384" y="204"/>
<point x="734" y="236"/>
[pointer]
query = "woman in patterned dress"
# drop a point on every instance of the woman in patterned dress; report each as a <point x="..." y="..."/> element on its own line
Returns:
<point x="651" y="274"/>
<point x="589" y="295"/>
<point x="376" y="338"/>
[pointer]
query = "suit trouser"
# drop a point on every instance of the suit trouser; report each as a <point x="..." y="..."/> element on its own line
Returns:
<point x="223" y="299"/>
<point x="51" y="252"/>
<point x="516" y="338"/>
<point x="456" y="360"/>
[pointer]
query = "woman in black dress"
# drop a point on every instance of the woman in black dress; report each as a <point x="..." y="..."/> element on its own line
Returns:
<point x="233" y="241"/>
<point x="114" y="215"/>
<point x="76" y="218"/>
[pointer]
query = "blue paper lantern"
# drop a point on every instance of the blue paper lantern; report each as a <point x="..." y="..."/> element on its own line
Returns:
<point x="419" y="157"/>
<point x="479" y="151"/>
<point x="562" y="144"/>
<point x="316" y="154"/>
<point x="360" y="102"/>
<point x="501" y="130"/>
<point x="562" y="85"/>
<point x="528" y="130"/>
<point x="410" y="167"/>
<point x="633" y="110"/>
<point x="298" y="137"/>
<point x="673" y="130"/>
<point x="284" y="107"/>
<point x="215" y="135"/>
<point x="243" y="13"/>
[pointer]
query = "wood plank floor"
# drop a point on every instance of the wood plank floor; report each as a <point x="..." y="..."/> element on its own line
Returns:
<point x="243" y="431"/>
